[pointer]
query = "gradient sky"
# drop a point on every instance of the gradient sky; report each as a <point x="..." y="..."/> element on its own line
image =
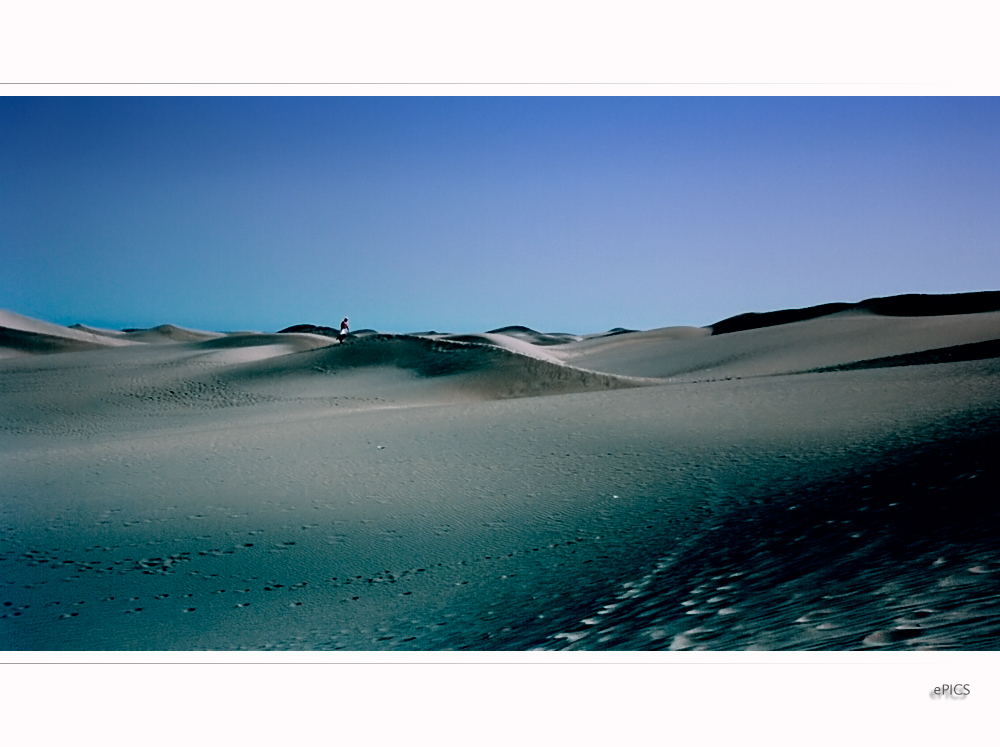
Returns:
<point x="466" y="214"/>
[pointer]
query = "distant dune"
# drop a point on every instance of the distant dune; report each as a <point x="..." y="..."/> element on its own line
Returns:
<point x="311" y="329"/>
<point x="116" y="333"/>
<point x="14" y="341"/>
<point x="536" y="338"/>
<point x="314" y="329"/>
<point x="24" y="335"/>
<point x="830" y="340"/>
<point x="975" y="351"/>
<point x="171" y="333"/>
<point x="907" y="305"/>
<point x="832" y="336"/>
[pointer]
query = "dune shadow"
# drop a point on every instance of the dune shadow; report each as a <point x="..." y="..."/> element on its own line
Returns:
<point x="910" y="304"/>
<point x="906" y="556"/>
<point x="974" y="351"/>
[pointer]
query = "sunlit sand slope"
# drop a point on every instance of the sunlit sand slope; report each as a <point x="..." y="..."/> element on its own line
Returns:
<point x="833" y="340"/>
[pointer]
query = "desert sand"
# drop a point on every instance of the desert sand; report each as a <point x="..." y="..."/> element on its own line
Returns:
<point x="815" y="480"/>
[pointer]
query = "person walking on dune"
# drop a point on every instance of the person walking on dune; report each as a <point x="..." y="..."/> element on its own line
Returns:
<point x="344" y="330"/>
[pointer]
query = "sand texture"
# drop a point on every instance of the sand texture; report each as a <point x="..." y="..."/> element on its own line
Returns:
<point x="807" y="481"/>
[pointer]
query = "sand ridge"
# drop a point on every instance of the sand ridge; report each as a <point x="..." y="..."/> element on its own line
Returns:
<point x="479" y="367"/>
<point x="832" y="340"/>
<point x="21" y="335"/>
<point x="169" y="333"/>
<point x="911" y="304"/>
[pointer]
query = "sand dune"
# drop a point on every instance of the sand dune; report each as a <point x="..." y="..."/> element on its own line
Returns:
<point x="312" y="329"/>
<point x="914" y="304"/>
<point x="415" y="369"/>
<point x="535" y="338"/>
<point x="24" y="335"/>
<point x="513" y="344"/>
<point x="17" y="342"/>
<point x="245" y="347"/>
<point x="820" y="483"/>
<point x="827" y="341"/>
<point x="116" y="333"/>
<point x="169" y="333"/>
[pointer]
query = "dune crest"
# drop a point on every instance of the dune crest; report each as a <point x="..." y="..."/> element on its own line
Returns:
<point x="831" y="340"/>
<point x="527" y="334"/>
<point x="246" y="347"/>
<point x="473" y="367"/>
<point x="910" y="304"/>
<point x="819" y="338"/>
<point x="170" y="333"/>
<point x="115" y="333"/>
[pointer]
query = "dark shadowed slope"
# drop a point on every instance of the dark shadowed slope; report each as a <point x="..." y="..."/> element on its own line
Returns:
<point x="975" y="351"/>
<point x="902" y="556"/>
<point x="911" y="304"/>
<point x="16" y="340"/>
<point x="312" y="329"/>
<point x="919" y="304"/>
<point x="23" y="335"/>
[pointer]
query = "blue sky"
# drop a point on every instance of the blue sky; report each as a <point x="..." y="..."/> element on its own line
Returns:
<point x="466" y="214"/>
